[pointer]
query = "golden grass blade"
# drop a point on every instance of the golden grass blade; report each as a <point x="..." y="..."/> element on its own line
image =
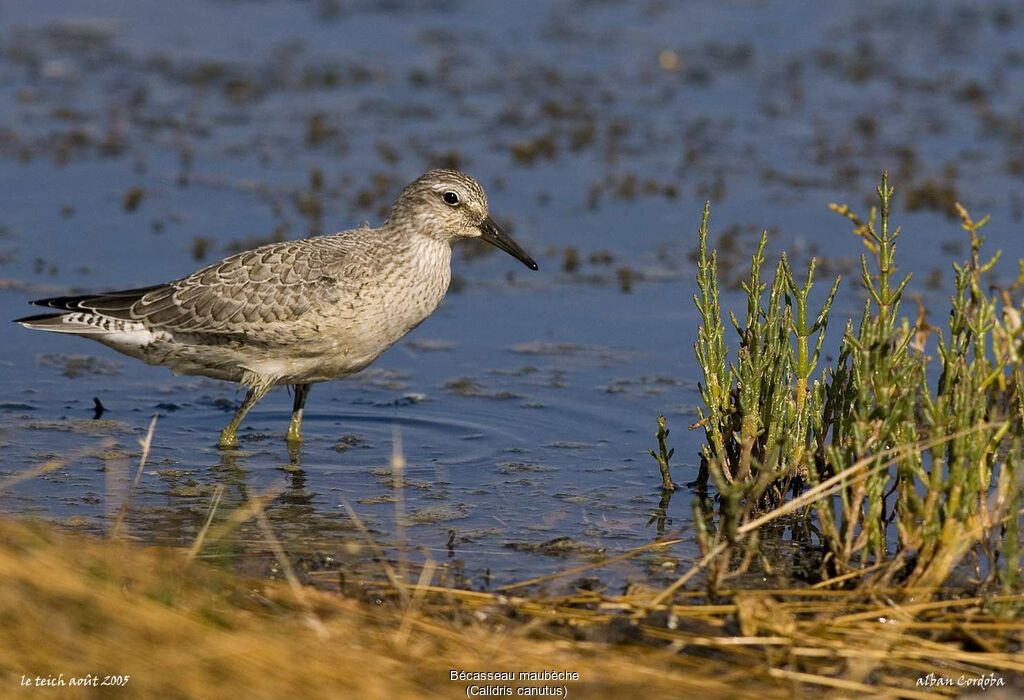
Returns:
<point x="393" y="578"/>
<point x="197" y="545"/>
<point x="398" y="472"/>
<point x="909" y="610"/>
<point x="146" y="443"/>
<point x="426" y="576"/>
<point x="286" y="566"/>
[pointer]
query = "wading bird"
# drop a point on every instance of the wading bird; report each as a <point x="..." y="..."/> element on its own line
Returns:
<point x="296" y="312"/>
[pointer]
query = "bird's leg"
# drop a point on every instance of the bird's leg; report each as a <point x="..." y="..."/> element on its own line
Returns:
<point x="228" y="436"/>
<point x="295" y="426"/>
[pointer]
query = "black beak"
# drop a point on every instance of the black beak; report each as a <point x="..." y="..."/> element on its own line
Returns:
<point x="493" y="234"/>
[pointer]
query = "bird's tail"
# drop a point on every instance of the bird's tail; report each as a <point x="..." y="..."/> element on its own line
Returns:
<point x="76" y="323"/>
<point x="91" y="314"/>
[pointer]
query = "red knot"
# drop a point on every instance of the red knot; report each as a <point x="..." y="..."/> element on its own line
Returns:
<point x="295" y="312"/>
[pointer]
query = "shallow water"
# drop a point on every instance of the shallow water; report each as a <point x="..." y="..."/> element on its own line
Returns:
<point x="138" y="142"/>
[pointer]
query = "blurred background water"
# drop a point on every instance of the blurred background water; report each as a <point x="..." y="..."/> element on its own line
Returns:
<point x="141" y="140"/>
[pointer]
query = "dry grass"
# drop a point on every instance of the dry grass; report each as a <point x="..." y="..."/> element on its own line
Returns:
<point x="75" y="606"/>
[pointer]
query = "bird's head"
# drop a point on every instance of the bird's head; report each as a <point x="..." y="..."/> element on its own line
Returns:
<point x="452" y="205"/>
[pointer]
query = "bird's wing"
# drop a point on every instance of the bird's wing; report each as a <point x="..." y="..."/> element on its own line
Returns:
<point x="239" y="295"/>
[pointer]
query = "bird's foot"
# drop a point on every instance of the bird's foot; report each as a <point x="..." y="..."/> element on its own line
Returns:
<point x="228" y="440"/>
<point x="294" y="436"/>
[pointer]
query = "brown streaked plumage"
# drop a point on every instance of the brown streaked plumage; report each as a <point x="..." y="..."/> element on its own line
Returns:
<point x="296" y="312"/>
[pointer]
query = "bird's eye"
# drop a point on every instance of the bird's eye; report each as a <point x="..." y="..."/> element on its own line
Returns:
<point x="451" y="198"/>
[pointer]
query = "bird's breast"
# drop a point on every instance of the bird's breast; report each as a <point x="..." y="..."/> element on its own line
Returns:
<point x="381" y="310"/>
